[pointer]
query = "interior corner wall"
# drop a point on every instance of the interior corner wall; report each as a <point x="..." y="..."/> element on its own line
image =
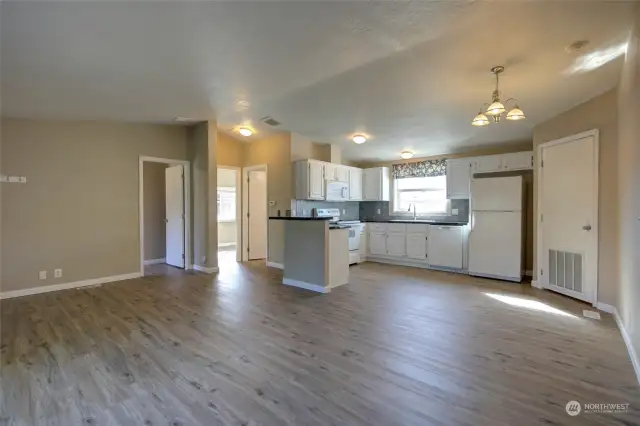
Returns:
<point x="78" y="210"/>
<point x="198" y="146"/>
<point x="212" y="195"/>
<point x="628" y="300"/>
<point x="155" y="229"/>
<point x="599" y="113"/>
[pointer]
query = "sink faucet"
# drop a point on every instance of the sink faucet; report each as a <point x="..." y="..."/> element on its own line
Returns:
<point x="414" y="210"/>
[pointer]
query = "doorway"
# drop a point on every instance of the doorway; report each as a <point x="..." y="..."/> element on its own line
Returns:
<point x="164" y="215"/>
<point x="255" y="213"/>
<point x="568" y="216"/>
<point x="229" y="214"/>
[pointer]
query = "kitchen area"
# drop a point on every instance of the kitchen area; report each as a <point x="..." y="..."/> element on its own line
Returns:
<point x="467" y="215"/>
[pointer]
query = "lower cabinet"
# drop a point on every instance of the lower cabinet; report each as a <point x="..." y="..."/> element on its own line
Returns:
<point x="417" y="246"/>
<point x="396" y="245"/>
<point x="378" y="244"/>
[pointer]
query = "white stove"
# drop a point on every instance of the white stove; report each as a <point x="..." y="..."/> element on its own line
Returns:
<point x="354" y="227"/>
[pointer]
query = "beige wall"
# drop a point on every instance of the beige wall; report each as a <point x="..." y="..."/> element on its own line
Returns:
<point x="628" y="300"/>
<point x="79" y="209"/>
<point x="227" y="232"/>
<point x="154" y="210"/>
<point x="598" y="113"/>
<point x="230" y="150"/>
<point x="197" y="151"/>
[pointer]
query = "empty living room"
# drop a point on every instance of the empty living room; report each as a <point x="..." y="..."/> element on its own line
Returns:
<point x="290" y="212"/>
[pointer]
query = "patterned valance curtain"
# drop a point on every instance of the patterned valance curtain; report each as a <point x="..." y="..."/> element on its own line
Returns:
<point x="420" y="169"/>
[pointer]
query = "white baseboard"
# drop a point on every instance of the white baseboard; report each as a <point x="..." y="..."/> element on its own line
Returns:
<point x="205" y="269"/>
<point x="226" y="244"/>
<point x="154" y="261"/>
<point x="635" y="360"/>
<point x="528" y="273"/>
<point x="305" y="285"/>
<point x="604" y="307"/>
<point x="275" y="265"/>
<point x="67" y="286"/>
<point x="536" y="284"/>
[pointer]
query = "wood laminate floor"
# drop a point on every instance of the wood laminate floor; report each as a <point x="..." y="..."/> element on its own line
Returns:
<point x="396" y="346"/>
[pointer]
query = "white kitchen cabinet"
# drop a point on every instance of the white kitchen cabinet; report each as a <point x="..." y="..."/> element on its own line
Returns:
<point x="341" y="173"/>
<point x="517" y="161"/>
<point x="363" y="243"/>
<point x="488" y="164"/>
<point x="355" y="184"/>
<point x="396" y="244"/>
<point x="417" y="246"/>
<point x="458" y="178"/>
<point x="377" y="244"/>
<point x="445" y="246"/>
<point x="375" y="184"/>
<point x="309" y="180"/>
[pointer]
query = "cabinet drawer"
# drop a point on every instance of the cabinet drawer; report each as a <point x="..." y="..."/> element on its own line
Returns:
<point x="417" y="228"/>
<point x="396" y="228"/>
<point x="377" y="227"/>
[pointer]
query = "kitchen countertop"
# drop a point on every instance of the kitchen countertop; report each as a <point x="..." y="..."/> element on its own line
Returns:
<point x="427" y="222"/>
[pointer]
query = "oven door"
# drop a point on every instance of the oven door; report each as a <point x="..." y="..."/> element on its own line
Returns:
<point x="354" y="238"/>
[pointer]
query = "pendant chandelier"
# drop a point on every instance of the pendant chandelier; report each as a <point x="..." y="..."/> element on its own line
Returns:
<point x="496" y="109"/>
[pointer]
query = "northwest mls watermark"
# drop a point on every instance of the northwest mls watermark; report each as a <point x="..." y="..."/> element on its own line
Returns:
<point x="575" y="408"/>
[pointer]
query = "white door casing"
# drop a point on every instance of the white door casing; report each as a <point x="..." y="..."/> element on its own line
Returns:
<point x="257" y="214"/>
<point x="568" y="216"/>
<point x="175" y="216"/>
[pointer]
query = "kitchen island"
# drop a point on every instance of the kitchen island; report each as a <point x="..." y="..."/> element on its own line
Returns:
<point x="316" y="255"/>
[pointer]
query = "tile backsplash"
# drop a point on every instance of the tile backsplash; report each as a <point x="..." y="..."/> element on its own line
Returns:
<point x="349" y="210"/>
<point x="369" y="211"/>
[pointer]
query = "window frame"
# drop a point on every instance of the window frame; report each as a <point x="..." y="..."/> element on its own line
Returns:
<point x="396" y="212"/>
<point x="235" y="203"/>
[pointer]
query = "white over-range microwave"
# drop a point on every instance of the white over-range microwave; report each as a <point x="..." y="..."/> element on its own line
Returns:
<point x="336" y="191"/>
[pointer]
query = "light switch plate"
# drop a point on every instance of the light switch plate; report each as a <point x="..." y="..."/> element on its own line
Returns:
<point x="23" y="179"/>
<point x="42" y="275"/>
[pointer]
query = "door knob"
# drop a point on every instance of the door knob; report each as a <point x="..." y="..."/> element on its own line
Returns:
<point x="587" y="227"/>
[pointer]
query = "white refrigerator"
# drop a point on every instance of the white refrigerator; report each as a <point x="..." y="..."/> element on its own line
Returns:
<point x="496" y="235"/>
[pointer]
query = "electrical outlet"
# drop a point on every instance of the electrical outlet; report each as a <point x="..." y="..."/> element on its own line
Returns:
<point x="204" y="260"/>
<point x="42" y="275"/>
<point x="344" y="211"/>
<point x="378" y="211"/>
<point x="57" y="273"/>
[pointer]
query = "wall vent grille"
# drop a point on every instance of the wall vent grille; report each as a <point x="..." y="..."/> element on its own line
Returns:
<point x="565" y="270"/>
<point x="270" y="121"/>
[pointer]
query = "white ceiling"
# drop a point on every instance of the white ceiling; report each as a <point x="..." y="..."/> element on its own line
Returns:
<point x="410" y="74"/>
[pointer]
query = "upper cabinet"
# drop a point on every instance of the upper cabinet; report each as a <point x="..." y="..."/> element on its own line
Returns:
<point x="355" y="184"/>
<point x="309" y="180"/>
<point x="503" y="162"/>
<point x="458" y="178"/>
<point x="518" y="161"/>
<point x="375" y="184"/>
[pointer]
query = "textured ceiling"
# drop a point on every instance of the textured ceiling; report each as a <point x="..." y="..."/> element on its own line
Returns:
<point x="410" y="74"/>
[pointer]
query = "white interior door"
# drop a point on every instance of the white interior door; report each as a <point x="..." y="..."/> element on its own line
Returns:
<point x="257" y="210"/>
<point x="568" y="193"/>
<point x="174" y="185"/>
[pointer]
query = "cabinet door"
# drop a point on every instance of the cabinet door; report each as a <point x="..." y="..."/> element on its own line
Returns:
<point x="377" y="244"/>
<point x="488" y="164"/>
<point x="396" y="245"/>
<point x="316" y="180"/>
<point x="331" y="171"/>
<point x="371" y="185"/>
<point x="445" y="246"/>
<point x="342" y="173"/>
<point x="355" y="184"/>
<point x="517" y="161"/>
<point x="458" y="177"/>
<point x="417" y="246"/>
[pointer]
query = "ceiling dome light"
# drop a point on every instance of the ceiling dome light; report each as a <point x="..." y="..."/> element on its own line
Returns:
<point x="406" y="154"/>
<point x="359" y="139"/>
<point x="244" y="131"/>
<point x="515" y="114"/>
<point x="480" y="120"/>
<point x="495" y="108"/>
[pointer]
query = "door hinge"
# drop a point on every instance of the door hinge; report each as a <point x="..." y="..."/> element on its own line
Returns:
<point x="541" y="272"/>
<point x="541" y="163"/>
<point x="541" y="218"/>
<point x="183" y="256"/>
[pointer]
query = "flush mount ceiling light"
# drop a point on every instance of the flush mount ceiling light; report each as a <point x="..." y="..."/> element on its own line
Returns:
<point x="496" y="108"/>
<point x="359" y="139"/>
<point x="245" y="131"/>
<point x="406" y="154"/>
